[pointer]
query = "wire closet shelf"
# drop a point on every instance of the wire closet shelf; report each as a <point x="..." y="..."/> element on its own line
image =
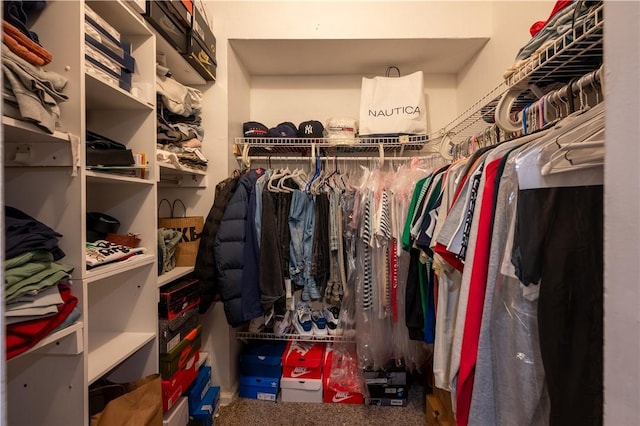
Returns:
<point x="244" y="335"/>
<point x="572" y="54"/>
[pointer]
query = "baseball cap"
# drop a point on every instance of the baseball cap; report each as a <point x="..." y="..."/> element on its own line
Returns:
<point x="311" y="129"/>
<point x="284" y="130"/>
<point x="253" y="129"/>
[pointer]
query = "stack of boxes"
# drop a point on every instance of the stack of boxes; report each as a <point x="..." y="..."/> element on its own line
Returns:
<point x="107" y="53"/>
<point x="180" y="338"/>
<point x="185" y="27"/>
<point x="302" y="364"/>
<point x="260" y="370"/>
<point x="203" y="398"/>
<point x="388" y="386"/>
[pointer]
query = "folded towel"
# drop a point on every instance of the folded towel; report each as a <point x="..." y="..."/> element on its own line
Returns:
<point x="23" y="46"/>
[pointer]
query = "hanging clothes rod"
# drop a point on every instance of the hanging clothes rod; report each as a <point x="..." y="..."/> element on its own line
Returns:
<point x="341" y="158"/>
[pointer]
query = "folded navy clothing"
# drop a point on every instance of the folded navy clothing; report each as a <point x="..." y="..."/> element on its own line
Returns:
<point x="23" y="233"/>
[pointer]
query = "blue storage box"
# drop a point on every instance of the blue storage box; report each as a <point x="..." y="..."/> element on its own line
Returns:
<point x="262" y="388"/>
<point x="263" y="359"/>
<point x="197" y="391"/>
<point x="204" y="413"/>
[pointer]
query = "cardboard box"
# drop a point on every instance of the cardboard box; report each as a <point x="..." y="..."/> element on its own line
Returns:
<point x="124" y="59"/>
<point x="199" y="58"/>
<point x="199" y="388"/>
<point x="336" y="395"/>
<point x="171" y="332"/>
<point x="205" y="412"/>
<point x="202" y="32"/>
<point x="173" y="388"/>
<point x="178" y="297"/>
<point x="262" y="359"/>
<point x="392" y="376"/>
<point x="301" y="390"/>
<point x="386" y="402"/>
<point x="262" y="388"/>
<point x="177" y="358"/>
<point x="439" y="408"/>
<point x="181" y="10"/>
<point x="388" y="391"/>
<point x="178" y="415"/>
<point x="303" y="360"/>
<point x="158" y="15"/>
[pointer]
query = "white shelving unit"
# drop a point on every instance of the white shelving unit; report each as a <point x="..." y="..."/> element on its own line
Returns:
<point x="115" y="336"/>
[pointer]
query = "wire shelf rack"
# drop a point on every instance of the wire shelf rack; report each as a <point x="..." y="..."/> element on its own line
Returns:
<point x="243" y="335"/>
<point x="329" y="146"/>
<point x="576" y="52"/>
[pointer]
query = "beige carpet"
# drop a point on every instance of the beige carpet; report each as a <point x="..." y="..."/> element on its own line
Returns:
<point x="250" y="412"/>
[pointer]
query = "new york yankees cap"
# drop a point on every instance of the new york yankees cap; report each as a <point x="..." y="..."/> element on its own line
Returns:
<point x="311" y="129"/>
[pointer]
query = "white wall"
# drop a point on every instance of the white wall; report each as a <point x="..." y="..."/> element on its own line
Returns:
<point x="622" y="215"/>
<point x="351" y="19"/>
<point x="299" y="98"/>
<point x="510" y="23"/>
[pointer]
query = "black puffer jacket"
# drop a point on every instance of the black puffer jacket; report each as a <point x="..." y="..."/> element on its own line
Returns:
<point x="229" y="249"/>
<point x="205" y="268"/>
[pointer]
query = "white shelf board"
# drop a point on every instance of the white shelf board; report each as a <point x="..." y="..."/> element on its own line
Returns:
<point x="25" y="132"/>
<point x="67" y="341"/>
<point x="103" y="177"/>
<point x="174" y="274"/>
<point x="119" y="267"/>
<point x="181" y="70"/>
<point x="108" y="349"/>
<point x="101" y="95"/>
<point x="180" y="169"/>
<point x="118" y="13"/>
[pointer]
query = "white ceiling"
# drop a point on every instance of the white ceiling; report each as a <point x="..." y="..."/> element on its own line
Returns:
<point x="347" y="56"/>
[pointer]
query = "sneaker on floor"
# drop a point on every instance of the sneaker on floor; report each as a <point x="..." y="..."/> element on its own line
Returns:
<point x="302" y="321"/>
<point x="319" y="323"/>
<point x="331" y="315"/>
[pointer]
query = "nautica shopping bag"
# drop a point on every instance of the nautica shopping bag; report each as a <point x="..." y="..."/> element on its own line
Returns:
<point x="393" y="105"/>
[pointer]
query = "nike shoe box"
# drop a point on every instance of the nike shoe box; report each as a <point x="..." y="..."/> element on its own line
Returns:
<point x="262" y="388"/>
<point x="201" y="47"/>
<point x="170" y="27"/>
<point x="171" y="332"/>
<point x="337" y="394"/>
<point x="199" y="388"/>
<point x="178" y="415"/>
<point x="303" y="360"/>
<point x="173" y="388"/>
<point x="176" y="358"/>
<point x="178" y="297"/>
<point x="207" y="409"/>
<point x="302" y="372"/>
<point x="262" y="359"/>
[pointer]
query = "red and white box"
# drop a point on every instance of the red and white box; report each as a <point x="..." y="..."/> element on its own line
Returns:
<point x="337" y="395"/>
<point x="302" y="372"/>
<point x="178" y="384"/>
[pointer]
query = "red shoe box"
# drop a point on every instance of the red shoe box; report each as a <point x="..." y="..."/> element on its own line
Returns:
<point x="337" y="396"/>
<point x="302" y="372"/>
<point x="303" y="360"/>
<point x="173" y="388"/>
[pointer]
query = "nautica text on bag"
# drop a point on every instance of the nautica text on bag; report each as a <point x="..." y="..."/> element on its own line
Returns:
<point x="395" y="111"/>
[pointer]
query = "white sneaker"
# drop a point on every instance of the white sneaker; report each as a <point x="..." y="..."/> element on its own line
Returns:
<point x="331" y="315"/>
<point x="319" y="323"/>
<point x="302" y="321"/>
